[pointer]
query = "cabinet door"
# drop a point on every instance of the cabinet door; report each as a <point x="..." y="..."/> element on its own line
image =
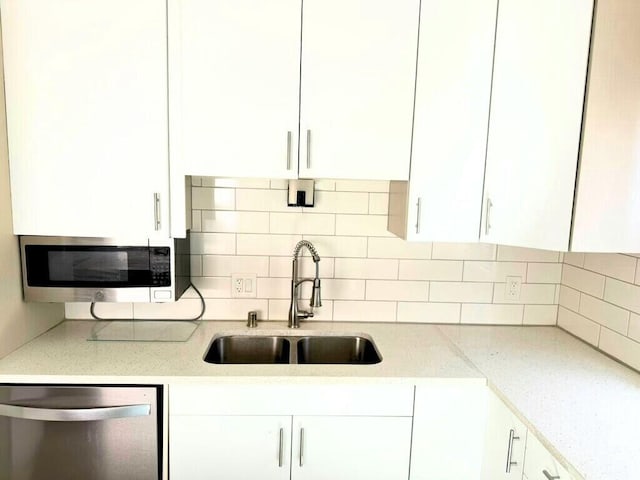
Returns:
<point x="607" y="208"/>
<point x="86" y="93"/>
<point x="505" y="441"/>
<point x="234" y="70"/>
<point x="229" y="447"/>
<point x="453" y="88"/>
<point x="448" y="431"/>
<point x="536" y="113"/>
<point x="539" y="464"/>
<point x="345" y="448"/>
<point x="357" y="88"/>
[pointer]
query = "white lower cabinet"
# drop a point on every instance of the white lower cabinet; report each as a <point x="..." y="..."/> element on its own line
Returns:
<point x="504" y="445"/>
<point x="448" y="430"/>
<point x="540" y="464"/>
<point x="297" y="432"/>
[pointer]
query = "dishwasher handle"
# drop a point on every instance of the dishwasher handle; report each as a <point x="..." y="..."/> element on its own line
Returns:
<point x="74" y="414"/>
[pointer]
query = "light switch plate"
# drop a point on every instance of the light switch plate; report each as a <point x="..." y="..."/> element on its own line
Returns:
<point x="243" y="285"/>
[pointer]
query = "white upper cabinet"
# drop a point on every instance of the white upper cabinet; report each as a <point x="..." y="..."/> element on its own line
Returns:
<point x="453" y="88"/>
<point x="271" y="89"/>
<point x="357" y="88"/>
<point x="86" y="98"/>
<point x="607" y="211"/>
<point x="234" y="86"/>
<point x="534" y="130"/>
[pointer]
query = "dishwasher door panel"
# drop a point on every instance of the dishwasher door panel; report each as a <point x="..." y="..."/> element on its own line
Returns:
<point x="98" y="433"/>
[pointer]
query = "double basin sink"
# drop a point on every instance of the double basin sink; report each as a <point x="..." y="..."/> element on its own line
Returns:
<point x="310" y="349"/>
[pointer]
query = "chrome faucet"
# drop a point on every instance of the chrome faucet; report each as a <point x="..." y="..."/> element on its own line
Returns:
<point x="294" y="314"/>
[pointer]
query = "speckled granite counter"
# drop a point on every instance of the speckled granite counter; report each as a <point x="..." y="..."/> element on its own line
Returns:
<point x="583" y="405"/>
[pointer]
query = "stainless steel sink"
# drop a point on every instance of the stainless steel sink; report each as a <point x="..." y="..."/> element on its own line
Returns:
<point x="248" y="349"/>
<point x="337" y="350"/>
<point x="310" y="349"/>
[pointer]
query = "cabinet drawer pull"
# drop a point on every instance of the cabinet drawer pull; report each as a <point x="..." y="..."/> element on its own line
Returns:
<point x="549" y="476"/>
<point x="301" y="446"/>
<point x="418" y="213"/>
<point x="510" y="463"/>
<point x="487" y="219"/>
<point x="308" y="148"/>
<point x="289" y="150"/>
<point x="156" y="210"/>
<point x="280" y="442"/>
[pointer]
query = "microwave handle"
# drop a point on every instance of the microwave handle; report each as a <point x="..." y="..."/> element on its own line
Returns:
<point x="74" y="414"/>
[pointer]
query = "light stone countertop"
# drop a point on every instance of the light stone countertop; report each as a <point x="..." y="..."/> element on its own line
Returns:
<point x="584" y="406"/>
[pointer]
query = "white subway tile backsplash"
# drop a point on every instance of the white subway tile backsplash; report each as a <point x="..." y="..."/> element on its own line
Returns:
<point x="213" y="287"/>
<point x="461" y="292"/>
<point x="544" y="273"/>
<point x="378" y="203"/>
<point x="362" y="186"/>
<point x="634" y="327"/>
<point x="239" y="222"/>
<point x="443" y="270"/>
<point x="279" y="310"/>
<point x="339" y="289"/>
<point x="213" y="243"/>
<point x="583" y="280"/>
<point x="464" y="251"/>
<point x="340" y="202"/>
<point x="238" y="183"/>
<point x="519" y="254"/>
<point x="620" y="347"/>
<point x="196" y="221"/>
<point x="350" y="311"/>
<point x="540" y="314"/>
<point x="610" y="316"/>
<point x="272" y="245"/>
<point x="264" y="201"/>
<point x="225" y="265"/>
<point x="196" y="265"/>
<point x="492" y="314"/>
<point x="271" y="288"/>
<point x="302" y="223"/>
<point x="398" y="248"/>
<point x="339" y="247"/>
<point x="569" y="298"/>
<point x="614" y="265"/>
<point x="493" y="271"/>
<point x="398" y="290"/>
<point x="637" y="275"/>
<point x="579" y="326"/>
<point x="183" y="309"/>
<point x="282" y="267"/>
<point x="368" y="225"/>
<point x="623" y="294"/>
<point x="367" y="268"/>
<point x="204" y="198"/>
<point x="79" y="310"/>
<point x="530" y="293"/>
<point x="574" y="258"/>
<point x="422" y="312"/>
<point x="235" y="308"/>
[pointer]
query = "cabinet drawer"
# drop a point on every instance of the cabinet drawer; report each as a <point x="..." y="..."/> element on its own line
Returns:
<point x="539" y="460"/>
<point x="371" y="400"/>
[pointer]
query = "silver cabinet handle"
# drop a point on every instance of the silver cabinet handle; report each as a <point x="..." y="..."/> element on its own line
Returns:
<point x="301" y="446"/>
<point x="289" y="150"/>
<point x="308" y="148"/>
<point x="487" y="219"/>
<point x="418" y="214"/>
<point x="156" y="210"/>
<point x="280" y="443"/>
<point x="74" y="414"/>
<point x="512" y="437"/>
<point x="549" y="476"/>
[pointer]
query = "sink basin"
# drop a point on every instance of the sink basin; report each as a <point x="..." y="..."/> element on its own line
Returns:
<point x="248" y="349"/>
<point x="311" y="349"/>
<point x="337" y="350"/>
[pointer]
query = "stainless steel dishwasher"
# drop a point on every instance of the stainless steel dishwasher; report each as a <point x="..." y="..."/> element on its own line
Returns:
<point x="80" y="432"/>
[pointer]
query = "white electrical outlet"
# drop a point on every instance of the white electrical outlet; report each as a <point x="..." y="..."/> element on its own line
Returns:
<point x="243" y="285"/>
<point x="512" y="288"/>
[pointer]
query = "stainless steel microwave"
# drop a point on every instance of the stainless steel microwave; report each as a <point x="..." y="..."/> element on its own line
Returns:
<point x="74" y="269"/>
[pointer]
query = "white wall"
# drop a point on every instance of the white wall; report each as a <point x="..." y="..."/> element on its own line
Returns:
<point x="19" y="321"/>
